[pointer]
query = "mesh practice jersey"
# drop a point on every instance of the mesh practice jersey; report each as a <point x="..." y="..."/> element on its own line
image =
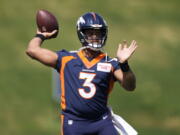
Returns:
<point x="85" y="84"/>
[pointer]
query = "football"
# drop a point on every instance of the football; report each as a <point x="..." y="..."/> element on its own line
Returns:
<point x="46" y="22"/>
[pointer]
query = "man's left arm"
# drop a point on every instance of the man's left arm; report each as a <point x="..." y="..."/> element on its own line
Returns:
<point x="125" y="75"/>
<point x="126" y="79"/>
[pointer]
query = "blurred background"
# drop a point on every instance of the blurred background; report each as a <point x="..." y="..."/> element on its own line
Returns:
<point x="26" y="104"/>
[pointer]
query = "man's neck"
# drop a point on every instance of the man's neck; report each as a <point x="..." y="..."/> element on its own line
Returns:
<point x="90" y="53"/>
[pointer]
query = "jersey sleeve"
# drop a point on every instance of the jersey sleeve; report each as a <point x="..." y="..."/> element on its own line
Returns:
<point x="60" y="54"/>
<point x="116" y="66"/>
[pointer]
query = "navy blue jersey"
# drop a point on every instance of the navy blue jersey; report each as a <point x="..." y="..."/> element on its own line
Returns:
<point x="85" y="84"/>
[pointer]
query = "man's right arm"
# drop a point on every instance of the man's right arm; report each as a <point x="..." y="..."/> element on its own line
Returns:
<point x="45" y="56"/>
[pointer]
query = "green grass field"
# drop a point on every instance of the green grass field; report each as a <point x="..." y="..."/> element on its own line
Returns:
<point x="26" y="106"/>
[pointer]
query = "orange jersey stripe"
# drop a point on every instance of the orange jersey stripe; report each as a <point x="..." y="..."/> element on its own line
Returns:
<point x="88" y="63"/>
<point x="62" y="121"/>
<point x="65" y="60"/>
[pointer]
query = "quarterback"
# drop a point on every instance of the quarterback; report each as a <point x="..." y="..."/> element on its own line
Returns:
<point x="87" y="76"/>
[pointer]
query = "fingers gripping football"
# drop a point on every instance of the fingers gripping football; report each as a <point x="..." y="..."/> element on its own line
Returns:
<point x="47" y="24"/>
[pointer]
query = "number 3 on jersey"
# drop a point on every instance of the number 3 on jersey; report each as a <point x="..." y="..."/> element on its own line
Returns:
<point x="88" y="77"/>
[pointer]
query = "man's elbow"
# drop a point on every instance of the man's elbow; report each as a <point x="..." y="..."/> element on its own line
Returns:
<point x="31" y="52"/>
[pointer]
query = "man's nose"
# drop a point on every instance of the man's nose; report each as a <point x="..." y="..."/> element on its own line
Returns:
<point x="94" y="35"/>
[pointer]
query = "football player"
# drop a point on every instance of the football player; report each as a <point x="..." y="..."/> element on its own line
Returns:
<point x="87" y="76"/>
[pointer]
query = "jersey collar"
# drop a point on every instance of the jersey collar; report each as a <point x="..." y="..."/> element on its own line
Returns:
<point x="91" y="63"/>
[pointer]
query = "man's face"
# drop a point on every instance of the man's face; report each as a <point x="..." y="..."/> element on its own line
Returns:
<point x="93" y="36"/>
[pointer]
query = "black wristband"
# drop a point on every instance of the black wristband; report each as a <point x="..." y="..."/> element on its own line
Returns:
<point x="42" y="37"/>
<point x="124" y="66"/>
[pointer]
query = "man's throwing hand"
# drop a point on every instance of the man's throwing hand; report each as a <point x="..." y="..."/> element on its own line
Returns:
<point x="47" y="35"/>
